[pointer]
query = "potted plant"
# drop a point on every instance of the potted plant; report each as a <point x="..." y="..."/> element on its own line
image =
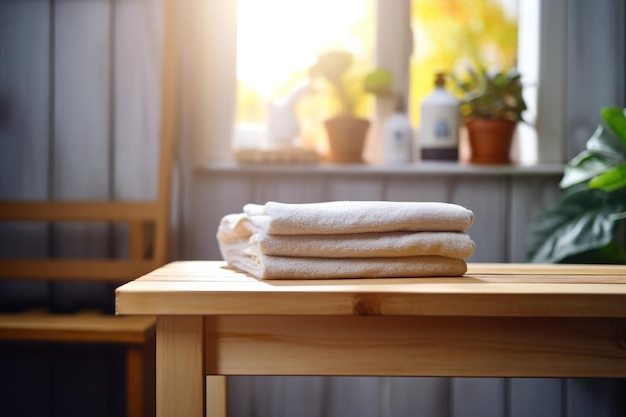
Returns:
<point x="347" y="130"/>
<point x="491" y="106"/>
<point x="583" y="224"/>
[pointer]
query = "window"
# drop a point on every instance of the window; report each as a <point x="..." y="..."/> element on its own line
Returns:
<point x="278" y="41"/>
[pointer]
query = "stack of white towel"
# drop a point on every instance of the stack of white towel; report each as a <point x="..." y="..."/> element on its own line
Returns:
<point x="347" y="239"/>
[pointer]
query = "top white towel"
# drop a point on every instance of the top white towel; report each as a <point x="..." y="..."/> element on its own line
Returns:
<point x="337" y="217"/>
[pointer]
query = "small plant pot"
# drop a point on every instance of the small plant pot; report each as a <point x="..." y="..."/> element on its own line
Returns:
<point x="490" y="140"/>
<point x="346" y="138"/>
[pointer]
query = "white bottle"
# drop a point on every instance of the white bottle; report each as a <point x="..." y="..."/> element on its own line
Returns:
<point x="439" y="131"/>
<point x="398" y="136"/>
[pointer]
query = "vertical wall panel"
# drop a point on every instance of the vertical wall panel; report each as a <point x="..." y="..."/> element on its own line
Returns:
<point x="213" y="197"/>
<point x="596" y="66"/>
<point x="419" y="397"/>
<point x="286" y="188"/>
<point x="484" y="397"/>
<point x="135" y="104"/>
<point x="347" y="187"/>
<point x="488" y="199"/>
<point x="81" y="125"/>
<point x="426" y="188"/>
<point x="529" y="196"/>
<point x="302" y="396"/>
<point x="81" y="133"/>
<point x="137" y="72"/>
<point x="596" y="397"/>
<point x="535" y="397"/>
<point x="81" y="170"/>
<point x="24" y="121"/>
<point x="24" y="94"/>
<point x="354" y="396"/>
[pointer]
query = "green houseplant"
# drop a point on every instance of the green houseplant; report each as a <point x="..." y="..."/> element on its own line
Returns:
<point x="583" y="224"/>
<point x="347" y="130"/>
<point x="492" y="104"/>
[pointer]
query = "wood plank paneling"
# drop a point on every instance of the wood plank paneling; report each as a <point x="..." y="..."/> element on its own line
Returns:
<point x="80" y="157"/>
<point x="595" y="66"/>
<point x="411" y="397"/>
<point x="597" y="397"/>
<point x="81" y="152"/>
<point x="528" y="197"/>
<point x="24" y="146"/>
<point x="484" y="397"/>
<point x="535" y="397"/>
<point x="346" y="396"/>
<point x="24" y="120"/>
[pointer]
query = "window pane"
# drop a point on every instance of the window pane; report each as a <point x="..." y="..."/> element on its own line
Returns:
<point x="452" y="33"/>
<point x="278" y="41"/>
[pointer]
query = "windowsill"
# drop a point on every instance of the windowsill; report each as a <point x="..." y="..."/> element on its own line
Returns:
<point x="423" y="168"/>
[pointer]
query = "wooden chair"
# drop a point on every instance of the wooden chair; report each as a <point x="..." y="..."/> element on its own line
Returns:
<point x="148" y="224"/>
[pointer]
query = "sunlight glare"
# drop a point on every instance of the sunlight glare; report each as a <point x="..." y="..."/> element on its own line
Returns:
<point x="276" y="38"/>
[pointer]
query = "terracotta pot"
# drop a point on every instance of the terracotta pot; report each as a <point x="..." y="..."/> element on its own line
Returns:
<point x="346" y="138"/>
<point x="490" y="140"/>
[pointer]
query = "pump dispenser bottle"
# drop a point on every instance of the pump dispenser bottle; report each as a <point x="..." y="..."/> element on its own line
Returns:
<point x="439" y="132"/>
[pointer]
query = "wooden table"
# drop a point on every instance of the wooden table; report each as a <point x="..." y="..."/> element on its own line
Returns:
<point x="498" y="320"/>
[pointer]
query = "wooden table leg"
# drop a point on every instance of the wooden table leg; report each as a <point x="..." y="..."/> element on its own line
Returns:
<point x="215" y="396"/>
<point x="180" y="366"/>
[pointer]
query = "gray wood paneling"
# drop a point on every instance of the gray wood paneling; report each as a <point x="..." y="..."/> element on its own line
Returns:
<point x="24" y="95"/>
<point x="294" y="188"/>
<point x="352" y="396"/>
<point x="81" y="152"/>
<point x="597" y="397"/>
<point x="473" y="397"/>
<point x="595" y="65"/>
<point x="24" y="121"/>
<point x="81" y="158"/>
<point x="535" y="397"/>
<point x="528" y="197"/>
<point x="136" y="97"/>
<point x="361" y="188"/>
<point x="419" y="397"/>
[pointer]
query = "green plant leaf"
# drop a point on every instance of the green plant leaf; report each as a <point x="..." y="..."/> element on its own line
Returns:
<point x="585" y="166"/>
<point x="615" y="118"/>
<point x="611" y="180"/>
<point x="604" y="142"/>
<point x="580" y="220"/>
<point x="604" y="152"/>
<point x="378" y="82"/>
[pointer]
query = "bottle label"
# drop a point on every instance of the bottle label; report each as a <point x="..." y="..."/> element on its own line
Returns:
<point x="440" y="129"/>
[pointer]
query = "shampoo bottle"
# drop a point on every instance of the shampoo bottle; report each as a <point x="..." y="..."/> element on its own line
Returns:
<point x="439" y="132"/>
<point x="398" y="135"/>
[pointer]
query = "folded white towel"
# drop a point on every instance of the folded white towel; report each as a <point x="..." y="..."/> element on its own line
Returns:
<point x="342" y="217"/>
<point x="236" y="229"/>
<point x="363" y="245"/>
<point x="281" y="267"/>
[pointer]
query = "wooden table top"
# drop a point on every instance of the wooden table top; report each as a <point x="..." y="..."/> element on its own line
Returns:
<point x="508" y="290"/>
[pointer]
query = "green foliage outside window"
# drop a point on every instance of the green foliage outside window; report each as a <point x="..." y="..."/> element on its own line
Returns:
<point x="451" y="34"/>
